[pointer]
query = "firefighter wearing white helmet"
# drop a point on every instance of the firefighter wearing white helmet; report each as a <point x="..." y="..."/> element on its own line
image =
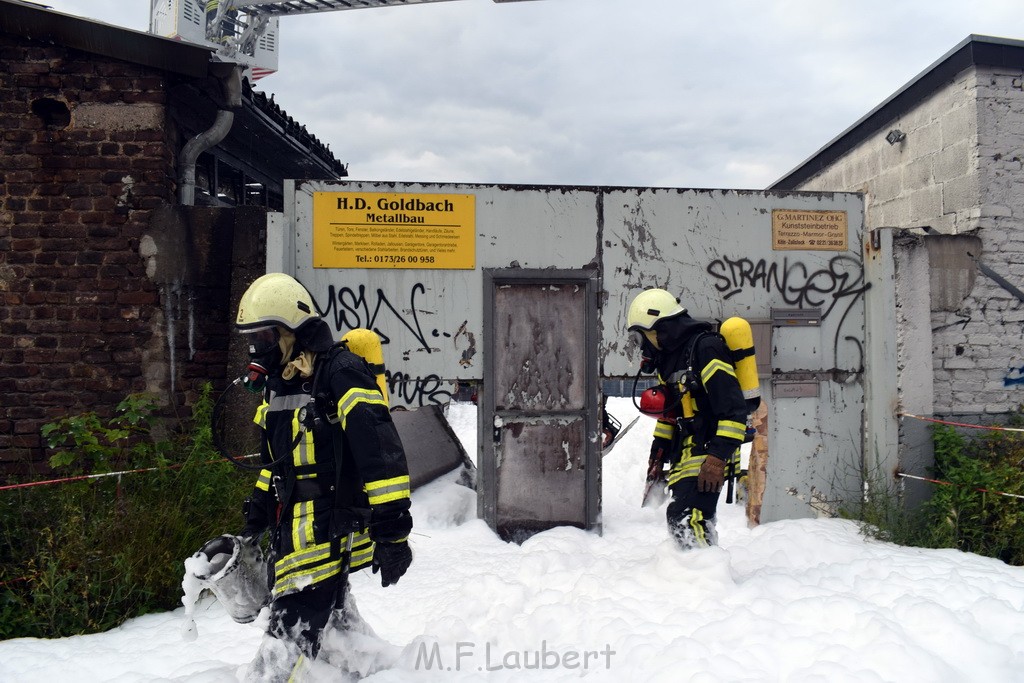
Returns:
<point x="334" y="491"/>
<point x="278" y="299"/>
<point x="704" y="421"/>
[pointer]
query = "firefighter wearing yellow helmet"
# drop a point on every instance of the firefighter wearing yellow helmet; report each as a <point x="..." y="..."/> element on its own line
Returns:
<point x="704" y="421"/>
<point x="334" y="491"/>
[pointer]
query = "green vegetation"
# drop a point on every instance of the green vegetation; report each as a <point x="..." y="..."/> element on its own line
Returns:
<point x="85" y="556"/>
<point x="967" y="511"/>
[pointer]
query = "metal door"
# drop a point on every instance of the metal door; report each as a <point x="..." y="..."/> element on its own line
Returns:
<point x="539" y="421"/>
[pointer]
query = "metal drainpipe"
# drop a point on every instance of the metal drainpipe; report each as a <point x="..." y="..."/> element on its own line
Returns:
<point x="232" y="84"/>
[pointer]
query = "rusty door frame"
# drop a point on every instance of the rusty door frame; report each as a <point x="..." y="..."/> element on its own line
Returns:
<point x="487" y="489"/>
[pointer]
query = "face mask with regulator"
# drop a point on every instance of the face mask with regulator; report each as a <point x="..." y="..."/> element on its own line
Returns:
<point x="264" y="357"/>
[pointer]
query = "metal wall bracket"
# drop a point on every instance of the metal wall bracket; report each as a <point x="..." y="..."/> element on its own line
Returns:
<point x="796" y="317"/>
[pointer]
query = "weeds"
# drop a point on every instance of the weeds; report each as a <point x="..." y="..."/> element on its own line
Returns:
<point x="85" y="556"/>
<point x="967" y="512"/>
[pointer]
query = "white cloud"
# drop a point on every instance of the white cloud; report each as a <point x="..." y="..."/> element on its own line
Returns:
<point x="645" y="92"/>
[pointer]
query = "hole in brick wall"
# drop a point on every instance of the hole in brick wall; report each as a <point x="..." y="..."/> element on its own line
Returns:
<point x="54" y="113"/>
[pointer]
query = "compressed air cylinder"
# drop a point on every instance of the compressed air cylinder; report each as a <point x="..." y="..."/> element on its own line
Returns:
<point x="740" y="340"/>
<point x="366" y="343"/>
<point x="688" y="403"/>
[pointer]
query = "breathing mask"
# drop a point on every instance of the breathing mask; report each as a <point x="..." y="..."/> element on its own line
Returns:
<point x="649" y="354"/>
<point x="265" y="357"/>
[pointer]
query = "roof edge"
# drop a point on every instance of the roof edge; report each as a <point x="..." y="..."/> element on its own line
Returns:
<point x="974" y="50"/>
<point x="39" y="23"/>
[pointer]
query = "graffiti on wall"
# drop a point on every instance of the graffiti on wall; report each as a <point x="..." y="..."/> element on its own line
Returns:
<point x="834" y="287"/>
<point x="1014" y="377"/>
<point x="417" y="391"/>
<point x="799" y="285"/>
<point x="348" y="308"/>
<point x="840" y="283"/>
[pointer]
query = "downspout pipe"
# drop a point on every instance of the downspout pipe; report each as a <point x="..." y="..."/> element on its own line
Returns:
<point x="232" y="84"/>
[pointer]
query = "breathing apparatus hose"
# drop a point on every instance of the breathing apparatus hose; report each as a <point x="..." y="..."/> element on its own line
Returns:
<point x="218" y="443"/>
<point x="636" y="381"/>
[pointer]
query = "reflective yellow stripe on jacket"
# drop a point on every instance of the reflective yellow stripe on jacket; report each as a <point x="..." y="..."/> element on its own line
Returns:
<point x="260" y="418"/>
<point x="354" y="397"/>
<point x="302" y="525"/>
<point x="303" y="452"/>
<point x="312" y="564"/>
<point x="663" y="429"/>
<point x="263" y="482"/>
<point x="715" y="365"/>
<point x="387" y="490"/>
<point x="731" y="430"/>
<point x="689" y="464"/>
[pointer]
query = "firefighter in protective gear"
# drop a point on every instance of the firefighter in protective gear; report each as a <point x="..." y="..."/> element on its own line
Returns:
<point x="705" y="427"/>
<point x="334" y="491"/>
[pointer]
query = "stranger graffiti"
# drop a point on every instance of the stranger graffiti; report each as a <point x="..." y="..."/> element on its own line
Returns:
<point x="800" y="286"/>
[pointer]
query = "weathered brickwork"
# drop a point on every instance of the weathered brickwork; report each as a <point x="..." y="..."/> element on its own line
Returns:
<point x="957" y="172"/>
<point x="86" y="155"/>
<point x="995" y="331"/>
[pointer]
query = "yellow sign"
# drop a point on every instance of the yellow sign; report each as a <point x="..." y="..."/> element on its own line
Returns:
<point x="794" y="229"/>
<point x="394" y="230"/>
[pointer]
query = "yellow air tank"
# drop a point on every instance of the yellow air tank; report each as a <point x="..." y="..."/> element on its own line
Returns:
<point x="366" y="343"/>
<point x="740" y="340"/>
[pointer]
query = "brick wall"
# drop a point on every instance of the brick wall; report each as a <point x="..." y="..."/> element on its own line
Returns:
<point x="958" y="171"/>
<point x="999" y="338"/>
<point x="86" y="158"/>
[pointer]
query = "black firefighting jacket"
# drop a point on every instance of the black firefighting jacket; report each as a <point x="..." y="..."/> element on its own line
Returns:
<point x="334" y="465"/>
<point x="696" y="361"/>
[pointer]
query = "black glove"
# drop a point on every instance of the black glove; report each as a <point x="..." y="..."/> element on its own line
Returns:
<point x="389" y="524"/>
<point x="250" y="535"/>
<point x="392" y="559"/>
<point x="661" y="444"/>
<point x="255" y="519"/>
<point x="711" y="475"/>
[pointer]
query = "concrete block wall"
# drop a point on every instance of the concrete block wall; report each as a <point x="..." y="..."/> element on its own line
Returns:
<point x="930" y="178"/>
<point x="958" y="172"/>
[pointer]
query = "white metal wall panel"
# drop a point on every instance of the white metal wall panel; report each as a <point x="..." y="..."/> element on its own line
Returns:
<point x="714" y="248"/>
<point x="432" y="319"/>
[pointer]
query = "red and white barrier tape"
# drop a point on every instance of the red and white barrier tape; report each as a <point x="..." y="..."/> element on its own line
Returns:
<point x="83" y="477"/>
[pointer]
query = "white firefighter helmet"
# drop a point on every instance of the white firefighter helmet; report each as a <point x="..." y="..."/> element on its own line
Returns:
<point x="650" y="306"/>
<point x="275" y="299"/>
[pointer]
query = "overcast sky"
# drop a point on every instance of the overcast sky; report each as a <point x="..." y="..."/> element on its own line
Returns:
<point x="664" y="93"/>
